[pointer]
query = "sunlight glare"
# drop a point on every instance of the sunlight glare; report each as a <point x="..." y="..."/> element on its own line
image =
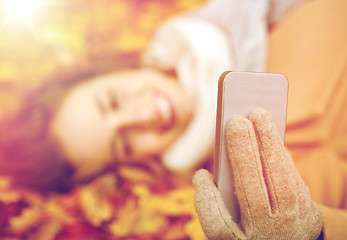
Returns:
<point x="19" y="8"/>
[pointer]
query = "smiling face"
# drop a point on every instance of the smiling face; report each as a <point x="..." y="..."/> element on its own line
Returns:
<point x="124" y="116"/>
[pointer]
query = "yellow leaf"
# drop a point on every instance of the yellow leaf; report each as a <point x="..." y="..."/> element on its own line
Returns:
<point x="194" y="230"/>
<point x="178" y="203"/>
<point x="136" y="174"/>
<point x="27" y="220"/>
<point x="7" y="195"/>
<point x="126" y="219"/>
<point x="96" y="208"/>
<point x="47" y="231"/>
<point x="55" y="211"/>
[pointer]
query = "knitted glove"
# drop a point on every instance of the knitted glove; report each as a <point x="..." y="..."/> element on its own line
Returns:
<point x="274" y="201"/>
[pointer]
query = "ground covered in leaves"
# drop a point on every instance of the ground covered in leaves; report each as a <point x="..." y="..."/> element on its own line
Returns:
<point x="135" y="202"/>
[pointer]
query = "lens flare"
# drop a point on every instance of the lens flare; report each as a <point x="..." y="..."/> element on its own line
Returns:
<point x="19" y="9"/>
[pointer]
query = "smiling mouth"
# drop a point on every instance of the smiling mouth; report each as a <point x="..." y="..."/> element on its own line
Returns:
<point x="165" y="110"/>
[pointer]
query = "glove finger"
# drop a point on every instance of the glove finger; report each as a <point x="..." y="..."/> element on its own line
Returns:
<point x="213" y="215"/>
<point x="278" y="171"/>
<point x="247" y="170"/>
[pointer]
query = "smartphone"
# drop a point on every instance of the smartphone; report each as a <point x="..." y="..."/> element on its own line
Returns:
<point x="239" y="93"/>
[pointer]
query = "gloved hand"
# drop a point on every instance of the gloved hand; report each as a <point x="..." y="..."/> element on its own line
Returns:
<point x="274" y="201"/>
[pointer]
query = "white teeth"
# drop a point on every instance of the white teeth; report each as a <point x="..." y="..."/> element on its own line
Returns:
<point x="164" y="109"/>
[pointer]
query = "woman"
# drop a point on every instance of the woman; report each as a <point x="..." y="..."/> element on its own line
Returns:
<point x="124" y="116"/>
<point x="74" y="131"/>
<point x="198" y="47"/>
<point x="174" y="119"/>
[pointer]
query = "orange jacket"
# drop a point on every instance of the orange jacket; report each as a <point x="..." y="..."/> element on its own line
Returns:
<point x="309" y="46"/>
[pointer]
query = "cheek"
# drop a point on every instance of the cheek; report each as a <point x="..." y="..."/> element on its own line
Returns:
<point x="144" y="144"/>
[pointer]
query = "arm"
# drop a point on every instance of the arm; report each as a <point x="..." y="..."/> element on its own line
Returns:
<point x="199" y="46"/>
<point x="324" y="172"/>
<point x="334" y="223"/>
<point x="245" y="26"/>
<point x="245" y="23"/>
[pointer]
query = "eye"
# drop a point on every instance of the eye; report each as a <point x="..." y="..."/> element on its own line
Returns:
<point x="113" y="101"/>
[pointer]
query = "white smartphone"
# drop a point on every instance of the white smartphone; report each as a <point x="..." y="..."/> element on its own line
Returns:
<point x="239" y="93"/>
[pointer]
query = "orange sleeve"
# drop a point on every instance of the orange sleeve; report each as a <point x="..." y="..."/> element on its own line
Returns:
<point x="324" y="172"/>
<point x="309" y="47"/>
<point x="334" y="223"/>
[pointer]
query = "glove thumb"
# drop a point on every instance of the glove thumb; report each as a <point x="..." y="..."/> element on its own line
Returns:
<point x="213" y="215"/>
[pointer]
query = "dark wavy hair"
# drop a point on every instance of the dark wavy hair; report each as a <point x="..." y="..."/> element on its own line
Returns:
<point x="29" y="155"/>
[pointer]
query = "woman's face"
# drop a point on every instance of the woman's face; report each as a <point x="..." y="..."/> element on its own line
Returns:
<point x="124" y="116"/>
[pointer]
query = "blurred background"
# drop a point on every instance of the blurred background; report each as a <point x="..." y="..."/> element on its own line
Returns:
<point x="54" y="40"/>
<point x="40" y="40"/>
